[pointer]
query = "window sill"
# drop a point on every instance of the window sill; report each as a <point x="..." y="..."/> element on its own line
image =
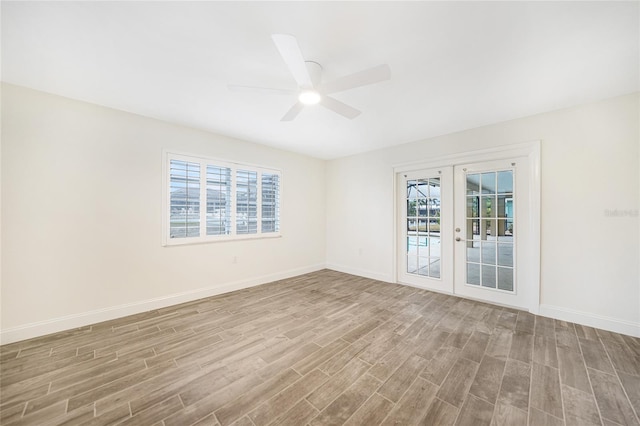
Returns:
<point x="218" y="239"/>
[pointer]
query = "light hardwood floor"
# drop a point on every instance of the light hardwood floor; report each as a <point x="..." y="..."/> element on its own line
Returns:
<point x="324" y="349"/>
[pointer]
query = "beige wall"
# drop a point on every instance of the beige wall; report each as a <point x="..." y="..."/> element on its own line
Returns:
<point x="81" y="216"/>
<point x="81" y="212"/>
<point x="589" y="164"/>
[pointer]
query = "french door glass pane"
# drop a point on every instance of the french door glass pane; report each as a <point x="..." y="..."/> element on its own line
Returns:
<point x="411" y="190"/>
<point x="473" y="229"/>
<point x="490" y="229"/>
<point x="423" y="210"/>
<point x="473" y="251"/>
<point x="505" y="182"/>
<point x="473" y="206"/>
<point x="423" y="265"/>
<point x="412" y="264"/>
<point x="488" y="276"/>
<point x="489" y="253"/>
<point x="411" y="208"/>
<point x="434" y="269"/>
<point x="423" y="247"/>
<point x="473" y="184"/>
<point x="473" y="273"/>
<point x="504" y="205"/>
<point x="488" y="183"/>
<point x="434" y="246"/>
<point x="505" y="254"/>
<point x="487" y="207"/>
<point x="505" y="279"/>
<point x="422" y="188"/>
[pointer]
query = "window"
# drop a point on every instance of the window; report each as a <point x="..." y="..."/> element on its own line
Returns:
<point x="270" y="202"/>
<point x="215" y="200"/>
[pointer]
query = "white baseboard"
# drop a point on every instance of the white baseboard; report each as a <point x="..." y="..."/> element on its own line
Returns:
<point x="360" y="272"/>
<point x="55" y="325"/>
<point x="629" y="328"/>
<point x="69" y="322"/>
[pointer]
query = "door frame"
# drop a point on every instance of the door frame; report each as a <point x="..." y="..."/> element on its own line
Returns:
<point x="530" y="150"/>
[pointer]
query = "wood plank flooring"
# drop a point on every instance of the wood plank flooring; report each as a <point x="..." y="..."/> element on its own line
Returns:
<point x="324" y="348"/>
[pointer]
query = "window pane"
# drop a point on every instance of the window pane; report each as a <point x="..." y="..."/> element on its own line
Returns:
<point x="434" y="247"/>
<point x="504" y="207"/>
<point x="489" y="253"/>
<point x="434" y="198"/>
<point x="473" y="251"/>
<point x="473" y="273"/>
<point x="184" y="204"/>
<point x="489" y="229"/>
<point x="505" y="279"/>
<point x="473" y="229"/>
<point x="434" y="268"/>
<point x="218" y="200"/>
<point x="412" y="246"/>
<point x="270" y="202"/>
<point x="473" y="184"/>
<point x="412" y="264"/>
<point x="423" y="266"/>
<point x="423" y="188"/>
<point x="505" y="182"/>
<point x="423" y="210"/>
<point x="434" y="225"/>
<point x="412" y="208"/>
<point x="505" y="254"/>
<point x="246" y="202"/>
<point x="488" y="207"/>
<point x="423" y="247"/>
<point x="488" y="276"/>
<point x="411" y="189"/>
<point x="473" y="206"/>
<point x="489" y="183"/>
<point x="505" y="230"/>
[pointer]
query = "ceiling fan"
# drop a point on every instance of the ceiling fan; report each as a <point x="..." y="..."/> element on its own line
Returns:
<point x="311" y="89"/>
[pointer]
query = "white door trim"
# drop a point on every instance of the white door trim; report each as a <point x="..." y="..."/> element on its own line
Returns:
<point x="530" y="150"/>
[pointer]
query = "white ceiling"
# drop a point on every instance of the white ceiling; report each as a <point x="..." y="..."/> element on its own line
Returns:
<point x="454" y="65"/>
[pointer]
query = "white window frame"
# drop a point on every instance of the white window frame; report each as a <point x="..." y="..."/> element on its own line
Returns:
<point x="167" y="156"/>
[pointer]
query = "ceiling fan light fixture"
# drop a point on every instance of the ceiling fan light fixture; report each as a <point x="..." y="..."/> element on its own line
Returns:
<point x="309" y="97"/>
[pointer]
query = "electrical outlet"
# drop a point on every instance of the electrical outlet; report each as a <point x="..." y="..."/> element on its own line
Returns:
<point x="235" y="259"/>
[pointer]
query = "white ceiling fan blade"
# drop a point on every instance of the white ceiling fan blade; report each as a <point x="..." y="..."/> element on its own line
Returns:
<point x="293" y="112"/>
<point x="339" y="107"/>
<point x="290" y="51"/>
<point x="362" y="78"/>
<point x="267" y="90"/>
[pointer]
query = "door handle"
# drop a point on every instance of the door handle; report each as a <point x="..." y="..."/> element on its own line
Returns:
<point x="457" y="238"/>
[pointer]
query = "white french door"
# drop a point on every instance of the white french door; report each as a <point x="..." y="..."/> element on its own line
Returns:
<point x="491" y="214"/>
<point x="466" y="229"/>
<point x="425" y="221"/>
